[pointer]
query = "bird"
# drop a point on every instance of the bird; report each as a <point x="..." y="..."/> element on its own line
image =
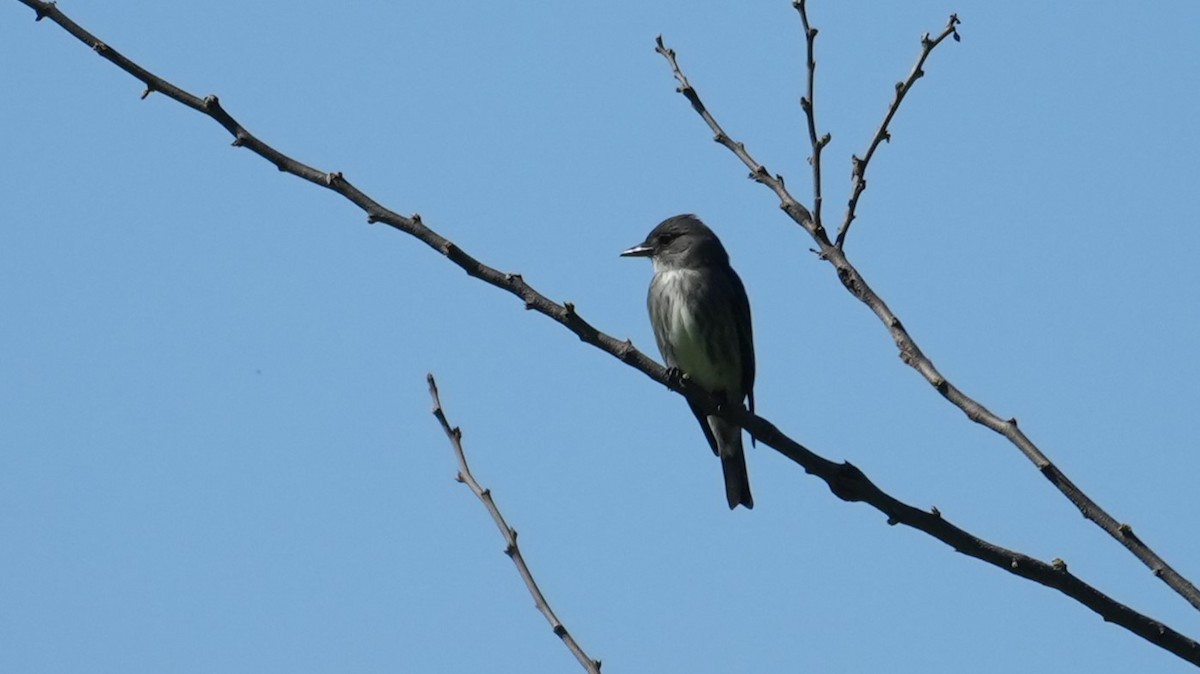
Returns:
<point x="700" y="315"/>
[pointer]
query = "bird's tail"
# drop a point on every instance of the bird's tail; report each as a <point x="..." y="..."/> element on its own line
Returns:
<point x="733" y="464"/>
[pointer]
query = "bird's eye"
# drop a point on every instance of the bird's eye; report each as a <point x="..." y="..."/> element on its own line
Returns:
<point x="666" y="238"/>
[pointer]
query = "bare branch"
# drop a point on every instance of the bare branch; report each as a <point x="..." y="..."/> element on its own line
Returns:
<point x="808" y="102"/>
<point x="758" y="172"/>
<point x="844" y="480"/>
<point x="858" y="171"/>
<point x="912" y="356"/>
<point x="510" y="535"/>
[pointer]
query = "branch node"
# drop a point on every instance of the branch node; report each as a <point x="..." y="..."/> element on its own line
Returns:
<point x="333" y="178"/>
<point x="147" y="91"/>
<point x="626" y="351"/>
<point x="560" y="631"/>
<point x="935" y="512"/>
<point x="1059" y="565"/>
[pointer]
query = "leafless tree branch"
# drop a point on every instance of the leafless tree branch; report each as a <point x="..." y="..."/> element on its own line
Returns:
<point x="858" y="171"/>
<point x="912" y="355"/>
<point x="844" y="480"/>
<point x="510" y="535"/>
<point x="808" y="102"/>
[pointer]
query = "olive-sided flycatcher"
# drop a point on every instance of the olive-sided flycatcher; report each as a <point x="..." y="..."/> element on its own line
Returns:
<point x="701" y="321"/>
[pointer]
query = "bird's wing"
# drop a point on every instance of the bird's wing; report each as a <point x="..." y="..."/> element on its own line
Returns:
<point x="708" y="434"/>
<point x="741" y="308"/>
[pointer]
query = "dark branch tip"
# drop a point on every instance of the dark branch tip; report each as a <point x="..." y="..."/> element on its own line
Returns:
<point x="147" y="91"/>
<point x="510" y="550"/>
<point x="373" y="218"/>
<point x="458" y="477"/>
<point x="935" y="512"/>
<point x="416" y="218"/>
<point x="1059" y="565"/>
<point x="569" y="309"/>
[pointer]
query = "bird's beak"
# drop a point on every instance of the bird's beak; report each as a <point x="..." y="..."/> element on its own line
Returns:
<point x="640" y="250"/>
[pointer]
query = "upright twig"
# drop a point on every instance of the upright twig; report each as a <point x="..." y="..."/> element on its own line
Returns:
<point x="845" y="481"/>
<point x="808" y="102"/>
<point x="510" y="535"/>
<point x="858" y="170"/>
<point x="912" y="355"/>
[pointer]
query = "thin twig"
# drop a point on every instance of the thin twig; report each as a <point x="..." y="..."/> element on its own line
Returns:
<point x="858" y="171"/>
<point x="808" y="102"/>
<point x="844" y="480"/>
<point x="510" y="535"/>
<point x="758" y="172"/>
<point x="912" y="356"/>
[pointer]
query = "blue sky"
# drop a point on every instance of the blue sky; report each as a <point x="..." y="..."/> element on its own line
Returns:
<point x="216" y="452"/>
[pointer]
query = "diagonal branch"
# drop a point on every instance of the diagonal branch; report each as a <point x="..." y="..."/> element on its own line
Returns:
<point x="912" y="355"/>
<point x="758" y="172"/>
<point x="859" y="166"/>
<point x="808" y="103"/>
<point x="846" y="481"/>
<point x="510" y="535"/>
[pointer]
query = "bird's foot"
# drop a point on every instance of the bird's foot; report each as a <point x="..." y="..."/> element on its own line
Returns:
<point x="676" y="376"/>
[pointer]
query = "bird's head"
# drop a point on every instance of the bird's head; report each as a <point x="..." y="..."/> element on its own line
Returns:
<point x="681" y="242"/>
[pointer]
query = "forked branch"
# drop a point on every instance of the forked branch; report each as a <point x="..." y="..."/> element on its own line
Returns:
<point x="912" y="355"/>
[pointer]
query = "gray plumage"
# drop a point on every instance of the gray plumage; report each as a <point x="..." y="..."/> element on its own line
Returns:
<point x="701" y="320"/>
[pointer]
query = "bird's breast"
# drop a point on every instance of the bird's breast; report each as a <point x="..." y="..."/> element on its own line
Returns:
<point x="694" y="329"/>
